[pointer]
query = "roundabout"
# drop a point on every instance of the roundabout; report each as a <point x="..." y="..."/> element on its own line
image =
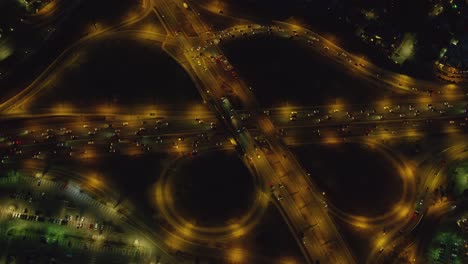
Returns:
<point x="190" y="227"/>
<point x="394" y="210"/>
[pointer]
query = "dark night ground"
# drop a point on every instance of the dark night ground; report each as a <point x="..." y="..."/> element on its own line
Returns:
<point x="282" y="71"/>
<point x="123" y="72"/>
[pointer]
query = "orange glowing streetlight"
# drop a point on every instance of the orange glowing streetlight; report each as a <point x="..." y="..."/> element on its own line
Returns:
<point x="236" y="255"/>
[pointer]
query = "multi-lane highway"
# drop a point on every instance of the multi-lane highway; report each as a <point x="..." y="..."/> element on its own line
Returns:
<point x="261" y="136"/>
<point x="94" y="134"/>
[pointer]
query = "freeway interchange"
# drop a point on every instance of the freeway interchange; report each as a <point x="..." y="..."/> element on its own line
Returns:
<point x="233" y="120"/>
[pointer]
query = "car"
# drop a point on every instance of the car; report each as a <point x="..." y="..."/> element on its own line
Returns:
<point x="272" y="187"/>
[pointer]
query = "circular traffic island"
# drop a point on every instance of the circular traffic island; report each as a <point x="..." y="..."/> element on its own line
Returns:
<point x="212" y="189"/>
<point x="209" y="198"/>
<point x="355" y="179"/>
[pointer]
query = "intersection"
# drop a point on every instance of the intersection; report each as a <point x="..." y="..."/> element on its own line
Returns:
<point x="231" y="119"/>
